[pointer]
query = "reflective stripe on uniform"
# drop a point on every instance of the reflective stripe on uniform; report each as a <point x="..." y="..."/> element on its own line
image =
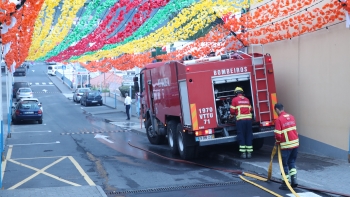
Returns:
<point x="249" y="149"/>
<point x="242" y="148"/>
<point x="290" y="144"/>
<point x="243" y="116"/>
<point x="292" y="172"/>
<point x="232" y="107"/>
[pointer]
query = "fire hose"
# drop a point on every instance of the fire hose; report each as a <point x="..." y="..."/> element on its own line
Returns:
<point x="251" y="175"/>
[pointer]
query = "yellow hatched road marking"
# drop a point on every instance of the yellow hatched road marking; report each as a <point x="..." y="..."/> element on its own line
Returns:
<point x="8" y="156"/>
<point x="42" y="171"/>
<point x="82" y="172"/>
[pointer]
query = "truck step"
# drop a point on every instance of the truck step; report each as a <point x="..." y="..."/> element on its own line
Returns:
<point x="264" y="90"/>
<point x="265" y="112"/>
<point x="262" y="79"/>
<point x="263" y="68"/>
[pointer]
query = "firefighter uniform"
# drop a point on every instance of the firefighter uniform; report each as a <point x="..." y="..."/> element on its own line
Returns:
<point x="287" y="136"/>
<point x="241" y="108"/>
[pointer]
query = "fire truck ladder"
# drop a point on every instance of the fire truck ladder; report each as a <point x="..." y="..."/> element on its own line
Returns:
<point x="257" y="62"/>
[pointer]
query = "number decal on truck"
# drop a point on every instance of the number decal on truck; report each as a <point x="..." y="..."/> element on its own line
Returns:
<point x="206" y="114"/>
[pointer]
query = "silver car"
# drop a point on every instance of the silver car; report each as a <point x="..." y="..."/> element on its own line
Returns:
<point x="78" y="93"/>
<point x="24" y="93"/>
<point x="32" y="99"/>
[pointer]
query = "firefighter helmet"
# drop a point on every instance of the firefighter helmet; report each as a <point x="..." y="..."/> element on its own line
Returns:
<point x="238" y="89"/>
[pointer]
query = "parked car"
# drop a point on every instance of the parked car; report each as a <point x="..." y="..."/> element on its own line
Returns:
<point x="24" y="93"/>
<point x="78" y="93"/>
<point x="20" y="71"/>
<point x="17" y="85"/>
<point x="32" y="99"/>
<point x="27" y="110"/>
<point x="91" y="98"/>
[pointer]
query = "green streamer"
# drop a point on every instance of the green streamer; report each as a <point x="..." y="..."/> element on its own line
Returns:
<point x="84" y="26"/>
<point x="162" y="15"/>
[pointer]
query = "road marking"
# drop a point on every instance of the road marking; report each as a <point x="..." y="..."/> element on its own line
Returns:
<point x="82" y="172"/>
<point x="41" y="171"/>
<point x="36" y="83"/>
<point x="57" y="142"/>
<point x="50" y="83"/>
<point x="38" y="158"/>
<point x="33" y="132"/>
<point x="103" y="137"/>
<point x="306" y="194"/>
<point x="44" y="90"/>
<point x="8" y="156"/>
<point x="43" y="83"/>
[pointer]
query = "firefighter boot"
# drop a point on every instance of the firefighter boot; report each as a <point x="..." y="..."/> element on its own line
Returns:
<point x="249" y="155"/>
<point x="293" y="177"/>
<point x="244" y="155"/>
<point x="283" y="186"/>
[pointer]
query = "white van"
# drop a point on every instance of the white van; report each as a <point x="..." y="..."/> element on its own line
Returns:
<point x="51" y="69"/>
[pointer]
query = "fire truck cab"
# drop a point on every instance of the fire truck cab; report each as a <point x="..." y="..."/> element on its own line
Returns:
<point x="187" y="103"/>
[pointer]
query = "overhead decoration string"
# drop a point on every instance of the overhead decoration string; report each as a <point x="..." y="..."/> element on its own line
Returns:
<point x="60" y="30"/>
<point x="86" y="24"/>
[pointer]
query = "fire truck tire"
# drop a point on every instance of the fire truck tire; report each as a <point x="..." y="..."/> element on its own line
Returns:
<point x="258" y="143"/>
<point x="172" y="136"/>
<point x="186" y="149"/>
<point x="152" y="136"/>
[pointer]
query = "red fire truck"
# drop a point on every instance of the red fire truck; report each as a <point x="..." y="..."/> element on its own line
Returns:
<point x="188" y="102"/>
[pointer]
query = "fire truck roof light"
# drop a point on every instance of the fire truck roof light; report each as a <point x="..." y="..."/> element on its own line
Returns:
<point x="187" y="69"/>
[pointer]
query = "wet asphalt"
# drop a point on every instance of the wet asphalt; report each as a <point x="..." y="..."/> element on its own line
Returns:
<point x="73" y="148"/>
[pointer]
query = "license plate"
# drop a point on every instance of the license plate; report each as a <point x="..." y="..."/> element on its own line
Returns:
<point x="204" y="138"/>
<point x="28" y="112"/>
<point x="94" y="101"/>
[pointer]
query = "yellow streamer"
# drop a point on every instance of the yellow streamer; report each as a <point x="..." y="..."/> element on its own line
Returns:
<point x="49" y="12"/>
<point x="59" y="32"/>
<point x="202" y="15"/>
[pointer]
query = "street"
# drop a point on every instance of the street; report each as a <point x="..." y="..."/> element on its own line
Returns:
<point x="75" y="148"/>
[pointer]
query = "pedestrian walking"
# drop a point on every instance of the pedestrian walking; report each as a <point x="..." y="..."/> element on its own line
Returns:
<point x="241" y="108"/>
<point x="127" y="103"/>
<point x="286" y="136"/>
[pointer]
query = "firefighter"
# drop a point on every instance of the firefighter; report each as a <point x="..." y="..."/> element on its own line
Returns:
<point x="286" y="136"/>
<point x="241" y="108"/>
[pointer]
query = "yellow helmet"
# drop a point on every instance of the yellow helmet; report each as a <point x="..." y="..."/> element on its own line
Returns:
<point x="238" y="89"/>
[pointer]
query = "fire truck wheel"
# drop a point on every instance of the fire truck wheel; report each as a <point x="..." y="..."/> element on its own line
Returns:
<point x="186" y="151"/>
<point x="258" y="143"/>
<point x="152" y="136"/>
<point x="172" y="136"/>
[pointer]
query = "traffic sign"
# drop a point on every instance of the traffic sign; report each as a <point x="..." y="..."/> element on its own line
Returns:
<point x="64" y="67"/>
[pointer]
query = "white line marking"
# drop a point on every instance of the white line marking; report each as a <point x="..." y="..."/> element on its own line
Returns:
<point x="103" y="137"/>
<point x="306" y="194"/>
<point x="43" y="83"/>
<point x="82" y="172"/>
<point x="57" y="142"/>
<point x="33" y="132"/>
<point x="8" y="156"/>
<point x="36" y="83"/>
<point x="37" y="158"/>
<point x="50" y="83"/>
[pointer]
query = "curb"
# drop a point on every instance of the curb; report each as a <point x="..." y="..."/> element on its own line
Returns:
<point x="101" y="191"/>
<point x="245" y="165"/>
<point x="138" y="130"/>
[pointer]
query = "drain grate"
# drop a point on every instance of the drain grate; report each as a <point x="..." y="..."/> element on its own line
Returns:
<point x="162" y="189"/>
